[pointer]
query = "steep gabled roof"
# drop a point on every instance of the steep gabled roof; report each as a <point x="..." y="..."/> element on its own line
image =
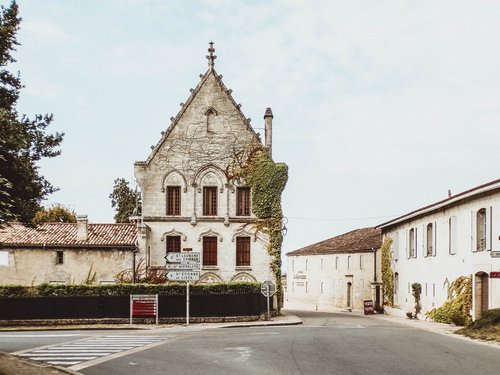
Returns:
<point x="359" y="240"/>
<point x="194" y="92"/>
<point x="64" y="235"/>
<point x="475" y="192"/>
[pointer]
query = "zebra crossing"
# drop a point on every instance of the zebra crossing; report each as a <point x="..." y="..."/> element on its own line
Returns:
<point x="76" y="352"/>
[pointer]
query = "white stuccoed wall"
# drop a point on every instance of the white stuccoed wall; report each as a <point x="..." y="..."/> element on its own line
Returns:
<point x="434" y="272"/>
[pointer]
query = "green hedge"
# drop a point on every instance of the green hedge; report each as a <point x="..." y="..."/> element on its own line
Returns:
<point x="47" y="290"/>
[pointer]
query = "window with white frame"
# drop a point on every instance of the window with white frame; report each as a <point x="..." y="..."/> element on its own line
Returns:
<point x="412" y="243"/>
<point x="481" y="229"/>
<point x="452" y="235"/>
<point x="4" y="258"/>
<point x="395" y="246"/>
<point x="429" y="248"/>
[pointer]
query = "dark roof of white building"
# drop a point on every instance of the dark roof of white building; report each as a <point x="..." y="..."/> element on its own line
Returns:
<point x="359" y="240"/>
<point x="465" y="196"/>
<point x="64" y="235"/>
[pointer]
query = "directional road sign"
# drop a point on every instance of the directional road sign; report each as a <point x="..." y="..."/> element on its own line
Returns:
<point x="268" y="288"/>
<point x="183" y="266"/>
<point x="183" y="275"/>
<point x="495" y="254"/>
<point x="193" y="257"/>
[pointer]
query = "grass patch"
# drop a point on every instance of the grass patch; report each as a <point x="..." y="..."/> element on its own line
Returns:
<point x="487" y="328"/>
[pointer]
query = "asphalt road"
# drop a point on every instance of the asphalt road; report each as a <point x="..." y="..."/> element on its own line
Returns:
<point x="327" y="343"/>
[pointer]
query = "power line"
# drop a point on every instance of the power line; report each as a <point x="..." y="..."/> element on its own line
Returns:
<point x="340" y="219"/>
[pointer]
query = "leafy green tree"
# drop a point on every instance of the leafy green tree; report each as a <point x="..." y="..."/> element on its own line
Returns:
<point x="23" y="141"/>
<point x="124" y="200"/>
<point x="55" y="213"/>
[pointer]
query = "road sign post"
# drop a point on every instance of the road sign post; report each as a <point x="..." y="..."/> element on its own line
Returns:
<point x="268" y="289"/>
<point x="183" y="267"/>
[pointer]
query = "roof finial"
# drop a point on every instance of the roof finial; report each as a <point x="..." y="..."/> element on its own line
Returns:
<point x="211" y="57"/>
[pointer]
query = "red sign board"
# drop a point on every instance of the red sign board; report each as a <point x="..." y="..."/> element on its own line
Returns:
<point x="368" y="307"/>
<point x="495" y="275"/>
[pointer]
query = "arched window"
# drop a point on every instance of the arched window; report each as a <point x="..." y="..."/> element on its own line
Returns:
<point x="210" y="120"/>
<point x="348" y="262"/>
<point x="412" y="243"/>
<point x="430" y="236"/>
<point x="481" y="229"/>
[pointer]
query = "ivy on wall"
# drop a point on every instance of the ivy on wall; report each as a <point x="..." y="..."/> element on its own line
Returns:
<point x="387" y="272"/>
<point x="267" y="181"/>
<point x="457" y="307"/>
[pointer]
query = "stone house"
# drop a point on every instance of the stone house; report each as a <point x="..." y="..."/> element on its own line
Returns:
<point x="340" y="272"/>
<point x="436" y="244"/>
<point x="65" y="253"/>
<point x="190" y="202"/>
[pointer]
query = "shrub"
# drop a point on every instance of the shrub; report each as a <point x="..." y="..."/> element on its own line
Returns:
<point x="48" y="290"/>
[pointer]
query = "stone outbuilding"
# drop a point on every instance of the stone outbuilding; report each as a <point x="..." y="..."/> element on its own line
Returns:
<point x="340" y="272"/>
<point x="65" y="253"/>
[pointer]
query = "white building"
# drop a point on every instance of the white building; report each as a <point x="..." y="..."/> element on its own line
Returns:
<point x="340" y="272"/>
<point x="190" y="201"/>
<point x="436" y="244"/>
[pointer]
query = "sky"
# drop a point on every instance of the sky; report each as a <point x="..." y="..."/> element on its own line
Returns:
<point x="379" y="106"/>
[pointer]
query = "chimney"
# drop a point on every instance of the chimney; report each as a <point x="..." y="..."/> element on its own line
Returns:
<point x="268" y="119"/>
<point x="449" y="193"/>
<point x="81" y="228"/>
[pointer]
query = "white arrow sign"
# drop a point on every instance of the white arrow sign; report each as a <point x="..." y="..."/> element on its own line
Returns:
<point x="183" y="266"/>
<point x="193" y="257"/>
<point x="183" y="275"/>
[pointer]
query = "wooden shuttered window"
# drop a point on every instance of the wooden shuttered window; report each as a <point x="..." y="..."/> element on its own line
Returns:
<point x="173" y="200"/>
<point x="173" y="244"/>
<point x="209" y="251"/>
<point x="243" y="202"/>
<point x="210" y="201"/>
<point x="242" y="251"/>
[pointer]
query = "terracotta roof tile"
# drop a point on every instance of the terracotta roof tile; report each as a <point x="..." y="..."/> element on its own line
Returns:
<point x="64" y="234"/>
<point x="365" y="239"/>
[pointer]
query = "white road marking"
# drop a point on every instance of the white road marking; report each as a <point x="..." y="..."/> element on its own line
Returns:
<point x="88" y="352"/>
<point x="42" y="336"/>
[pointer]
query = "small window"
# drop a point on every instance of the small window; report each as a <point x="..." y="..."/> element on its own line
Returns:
<point x="210" y="201"/>
<point x="361" y="262"/>
<point x="59" y="257"/>
<point x="173" y="200"/>
<point x="4" y="258"/>
<point x="349" y="262"/>
<point x="173" y="244"/>
<point x="306" y="264"/>
<point x="452" y="235"/>
<point x="336" y="263"/>
<point x="243" y="202"/>
<point x="430" y="235"/>
<point x="412" y="243"/>
<point x="321" y="263"/>
<point x="209" y="251"/>
<point x="322" y="287"/>
<point x="242" y="251"/>
<point x="481" y="229"/>
<point x="396" y="282"/>
<point x="293" y="265"/>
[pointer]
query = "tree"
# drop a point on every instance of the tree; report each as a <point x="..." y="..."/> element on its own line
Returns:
<point x="125" y="201"/>
<point x="55" y="213"/>
<point x="23" y="141"/>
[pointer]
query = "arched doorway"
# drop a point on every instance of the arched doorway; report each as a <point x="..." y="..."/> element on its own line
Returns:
<point x="349" y="295"/>
<point x="481" y="294"/>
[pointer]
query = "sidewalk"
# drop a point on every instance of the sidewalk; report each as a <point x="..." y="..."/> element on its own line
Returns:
<point x="12" y="365"/>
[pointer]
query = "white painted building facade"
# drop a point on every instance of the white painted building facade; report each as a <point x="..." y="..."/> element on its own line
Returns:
<point x="437" y="244"/>
<point x="190" y="202"/>
<point x="340" y="272"/>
